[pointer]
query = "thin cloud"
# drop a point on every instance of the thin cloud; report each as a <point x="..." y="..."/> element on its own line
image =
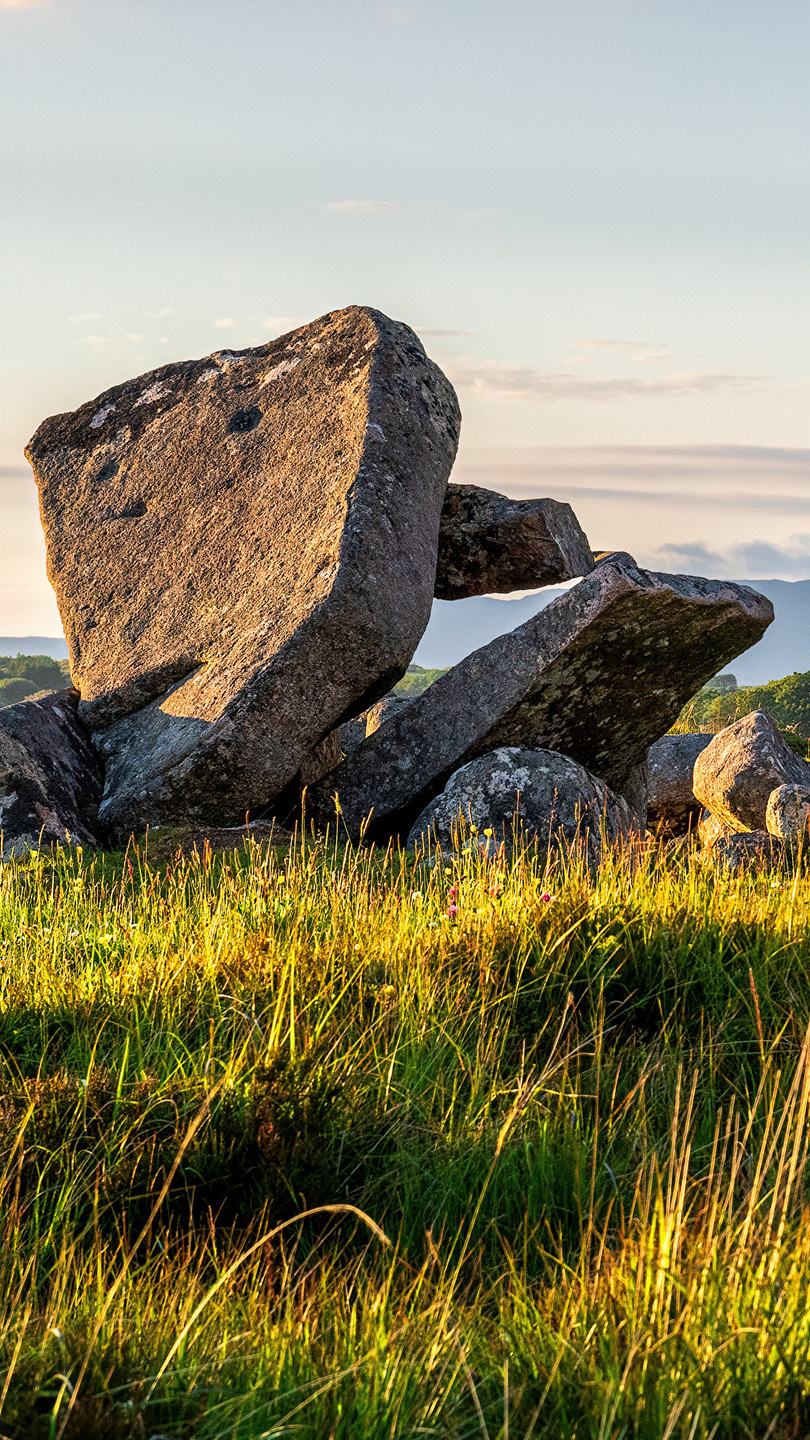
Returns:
<point x="91" y="314"/>
<point x="280" y="324"/>
<point x="365" y="207"/>
<point x="107" y="342"/>
<point x="397" y="14"/>
<point x="754" y="559"/>
<point x="20" y="4"/>
<point x="446" y="334"/>
<point x="515" y="382"/>
<point x="642" y="351"/>
<point x="227" y="323"/>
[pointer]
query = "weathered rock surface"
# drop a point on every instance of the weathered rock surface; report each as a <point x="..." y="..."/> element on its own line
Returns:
<point x="385" y="709"/>
<point x="599" y="675"/>
<point x="165" y="845"/>
<point x="754" y="850"/>
<point x="735" y="774"/>
<point x="787" y="816"/>
<point x="672" y="807"/>
<point x="523" y="795"/>
<point x="50" y="777"/>
<point x="711" y="830"/>
<point x="244" y="552"/>
<point x="490" y="543"/>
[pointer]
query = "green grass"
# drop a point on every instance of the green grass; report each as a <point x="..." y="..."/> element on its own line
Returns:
<point x="557" y="1148"/>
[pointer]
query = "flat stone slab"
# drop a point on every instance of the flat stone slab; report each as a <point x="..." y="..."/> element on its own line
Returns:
<point x="488" y="543"/>
<point x="736" y="774"/>
<point x="599" y="674"/>
<point x="243" y="549"/>
<point x="513" y="797"/>
<point x="50" y="776"/>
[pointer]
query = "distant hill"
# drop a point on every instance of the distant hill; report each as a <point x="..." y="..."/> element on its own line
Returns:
<point x="459" y="626"/>
<point x="34" y="645"/>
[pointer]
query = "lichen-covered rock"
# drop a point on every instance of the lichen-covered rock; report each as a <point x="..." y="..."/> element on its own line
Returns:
<point x="672" y="807"/>
<point x="735" y="775"/>
<point x="753" y="850"/>
<point x="599" y="675"/>
<point x="243" y="549"/>
<point x="787" y="816"/>
<point x="50" y="777"/>
<point x="522" y="796"/>
<point x="488" y="543"/>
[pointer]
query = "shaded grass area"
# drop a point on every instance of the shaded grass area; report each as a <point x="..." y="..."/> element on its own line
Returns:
<point x="553" y="1127"/>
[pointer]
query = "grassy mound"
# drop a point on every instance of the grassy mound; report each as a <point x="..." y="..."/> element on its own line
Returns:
<point x="552" y="1129"/>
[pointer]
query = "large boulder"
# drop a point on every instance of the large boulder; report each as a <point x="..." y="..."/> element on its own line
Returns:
<point x="735" y="775"/>
<point x="599" y="675"/>
<point x="524" y="795"/>
<point x="244" y="552"/>
<point x="490" y="543"/>
<point x="672" y="807"/>
<point x="50" y="776"/>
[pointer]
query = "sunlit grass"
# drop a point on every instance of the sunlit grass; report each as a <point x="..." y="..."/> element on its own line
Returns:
<point x="566" y="1136"/>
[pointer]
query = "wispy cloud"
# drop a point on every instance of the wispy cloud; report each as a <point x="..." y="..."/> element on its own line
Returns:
<point x="280" y="324"/>
<point x="20" y="4"/>
<point x="366" y="207"/>
<point x="85" y="319"/>
<point x="516" y="382"/>
<point x="754" y="559"/>
<point x="111" y="340"/>
<point x="446" y="334"/>
<point x="227" y="323"/>
<point x="640" y="351"/>
<point x="397" y="14"/>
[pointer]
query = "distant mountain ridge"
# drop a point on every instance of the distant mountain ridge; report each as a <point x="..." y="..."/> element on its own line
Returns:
<point x="52" y="645"/>
<point x="458" y="627"/>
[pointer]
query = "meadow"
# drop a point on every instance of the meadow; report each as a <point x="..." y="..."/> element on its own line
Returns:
<point x="315" y="1142"/>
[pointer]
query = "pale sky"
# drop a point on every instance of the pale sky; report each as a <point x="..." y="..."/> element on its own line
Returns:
<point x="594" y="212"/>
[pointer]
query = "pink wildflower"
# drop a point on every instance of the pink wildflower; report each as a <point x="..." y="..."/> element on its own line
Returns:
<point x="452" y="911"/>
<point x="545" y="897"/>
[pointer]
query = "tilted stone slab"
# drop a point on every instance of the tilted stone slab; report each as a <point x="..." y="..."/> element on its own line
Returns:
<point x="736" y="774"/>
<point x="599" y="674"/>
<point x="244" y="552"/>
<point x="50" y="776"/>
<point x="488" y="543"/>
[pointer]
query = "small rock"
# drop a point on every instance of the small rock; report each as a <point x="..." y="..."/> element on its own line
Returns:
<point x="711" y="829"/>
<point x="522" y="795"/>
<point x="736" y="774"/>
<point x="788" y="815"/>
<point x="175" y="841"/>
<point x="490" y="544"/>
<point x="753" y="850"/>
<point x="672" y="807"/>
<point x="50" y="777"/>
<point x="385" y="709"/>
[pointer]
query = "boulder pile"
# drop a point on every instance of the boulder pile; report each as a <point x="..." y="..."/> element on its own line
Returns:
<point x="245" y="549"/>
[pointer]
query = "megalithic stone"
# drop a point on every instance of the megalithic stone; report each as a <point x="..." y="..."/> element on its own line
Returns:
<point x="488" y="543"/>
<point x="599" y="674"/>
<point x="244" y="552"/>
